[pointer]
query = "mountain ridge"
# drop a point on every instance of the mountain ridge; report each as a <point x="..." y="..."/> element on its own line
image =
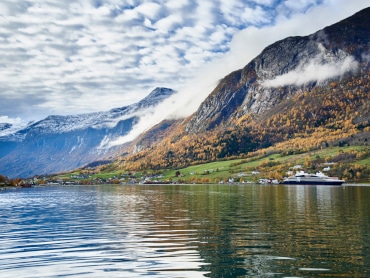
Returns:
<point x="280" y="58"/>
<point x="233" y="120"/>
<point x="60" y="143"/>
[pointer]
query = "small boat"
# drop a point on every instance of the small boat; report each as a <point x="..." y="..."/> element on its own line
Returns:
<point x="319" y="178"/>
<point x="268" y="181"/>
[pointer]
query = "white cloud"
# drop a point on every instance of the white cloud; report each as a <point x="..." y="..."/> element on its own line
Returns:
<point x="168" y="23"/>
<point x="169" y="108"/>
<point x="177" y="4"/>
<point x="147" y="120"/>
<point x="264" y="2"/>
<point x="316" y="70"/>
<point x="63" y="57"/>
<point x="246" y="45"/>
<point x="149" y="10"/>
<point x="299" y="5"/>
<point x="13" y="121"/>
<point x="255" y="15"/>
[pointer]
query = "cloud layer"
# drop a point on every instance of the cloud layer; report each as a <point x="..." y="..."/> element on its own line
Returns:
<point x="70" y="57"/>
<point x="323" y="67"/>
<point x="77" y="56"/>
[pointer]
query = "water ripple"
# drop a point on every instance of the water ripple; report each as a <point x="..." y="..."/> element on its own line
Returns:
<point x="195" y="231"/>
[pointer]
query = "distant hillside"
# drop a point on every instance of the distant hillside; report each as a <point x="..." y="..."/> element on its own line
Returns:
<point x="299" y="93"/>
<point x="60" y="143"/>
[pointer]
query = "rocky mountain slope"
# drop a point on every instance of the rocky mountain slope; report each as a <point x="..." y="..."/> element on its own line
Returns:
<point x="313" y="87"/>
<point x="59" y="143"/>
<point x="286" y="68"/>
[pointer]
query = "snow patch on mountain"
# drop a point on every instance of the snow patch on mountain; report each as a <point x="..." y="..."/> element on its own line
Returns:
<point x="4" y="126"/>
<point x="69" y="141"/>
<point x="56" y="124"/>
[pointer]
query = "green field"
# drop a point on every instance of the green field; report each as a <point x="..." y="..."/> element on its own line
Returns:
<point x="233" y="168"/>
<point x="238" y="169"/>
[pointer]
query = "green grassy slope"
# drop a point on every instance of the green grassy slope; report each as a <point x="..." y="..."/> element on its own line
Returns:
<point x="350" y="162"/>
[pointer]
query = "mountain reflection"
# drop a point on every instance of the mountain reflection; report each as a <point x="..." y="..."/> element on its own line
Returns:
<point x="186" y="231"/>
<point x="231" y="231"/>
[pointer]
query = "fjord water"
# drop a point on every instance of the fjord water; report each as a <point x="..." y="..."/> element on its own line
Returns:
<point x="185" y="231"/>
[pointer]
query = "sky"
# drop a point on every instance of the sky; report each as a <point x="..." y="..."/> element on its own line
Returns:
<point x="72" y="57"/>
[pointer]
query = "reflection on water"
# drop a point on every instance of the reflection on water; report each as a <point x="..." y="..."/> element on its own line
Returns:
<point x="185" y="231"/>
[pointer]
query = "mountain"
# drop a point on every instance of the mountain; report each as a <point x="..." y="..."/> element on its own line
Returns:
<point x="300" y="93"/>
<point x="4" y="126"/>
<point x="60" y="143"/>
<point x="306" y="91"/>
<point x="286" y="68"/>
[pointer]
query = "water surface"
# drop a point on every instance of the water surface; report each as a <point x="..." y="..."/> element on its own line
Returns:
<point x="185" y="231"/>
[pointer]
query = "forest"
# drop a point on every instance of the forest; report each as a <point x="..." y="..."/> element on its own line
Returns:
<point x="333" y="115"/>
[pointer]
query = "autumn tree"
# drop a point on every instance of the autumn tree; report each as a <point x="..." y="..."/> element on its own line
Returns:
<point x="2" y="179"/>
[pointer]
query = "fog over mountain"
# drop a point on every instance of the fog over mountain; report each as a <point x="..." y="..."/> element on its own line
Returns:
<point x="278" y="72"/>
<point x="60" y="143"/>
<point x="297" y="87"/>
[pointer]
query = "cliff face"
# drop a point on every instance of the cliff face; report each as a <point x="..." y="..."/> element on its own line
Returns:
<point x="285" y="68"/>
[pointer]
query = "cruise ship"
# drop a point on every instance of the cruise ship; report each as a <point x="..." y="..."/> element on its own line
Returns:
<point x="319" y="178"/>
